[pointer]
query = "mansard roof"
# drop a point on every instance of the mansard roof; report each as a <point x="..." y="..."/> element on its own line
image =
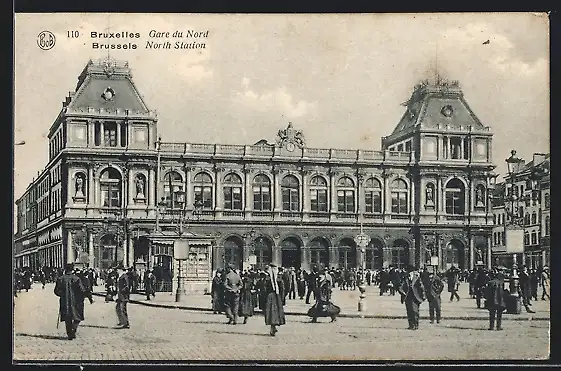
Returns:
<point x="107" y="85"/>
<point x="438" y="104"/>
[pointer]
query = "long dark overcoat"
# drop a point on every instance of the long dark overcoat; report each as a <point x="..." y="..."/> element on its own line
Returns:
<point x="246" y="298"/>
<point x="274" y="311"/>
<point x="495" y="294"/>
<point x="217" y="293"/>
<point x="71" y="291"/>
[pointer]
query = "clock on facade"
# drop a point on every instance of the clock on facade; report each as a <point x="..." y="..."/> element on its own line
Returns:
<point x="290" y="146"/>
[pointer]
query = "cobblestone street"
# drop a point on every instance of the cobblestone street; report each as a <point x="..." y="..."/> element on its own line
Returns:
<point x="174" y="334"/>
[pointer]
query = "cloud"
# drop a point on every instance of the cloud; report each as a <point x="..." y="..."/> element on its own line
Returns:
<point x="501" y="53"/>
<point x="193" y="67"/>
<point x="279" y="100"/>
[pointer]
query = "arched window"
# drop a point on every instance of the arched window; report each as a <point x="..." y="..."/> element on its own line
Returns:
<point x="534" y="238"/>
<point x="546" y="201"/>
<point x="290" y="193"/>
<point x="455" y="197"/>
<point x="526" y="238"/>
<point x="203" y="189"/>
<point x="399" y="197"/>
<point x="263" y="252"/>
<point x="534" y="218"/>
<point x="172" y="181"/>
<point x="233" y="252"/>
<point x="232" y="187"/>
<point x="261" y="193"/>
<point x="110" y="186"/>
<point x="373" y="196"/>
<point x="346" y="195"/>
<point x="547" y="225"/>
<point x="318" y="194"/>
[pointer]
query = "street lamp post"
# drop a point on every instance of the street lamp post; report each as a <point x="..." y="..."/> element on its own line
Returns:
<point x="515" y="225"/>
<point x="362" y="240"/>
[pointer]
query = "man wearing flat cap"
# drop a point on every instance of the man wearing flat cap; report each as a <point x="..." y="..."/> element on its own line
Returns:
<point x="71" y="291"/>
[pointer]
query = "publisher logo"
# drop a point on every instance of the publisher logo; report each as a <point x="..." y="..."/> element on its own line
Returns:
<point x="46" y="40"/>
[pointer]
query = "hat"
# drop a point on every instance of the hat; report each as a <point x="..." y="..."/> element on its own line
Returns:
<point x="272" y="265"/>
<point x="68" y="267"/>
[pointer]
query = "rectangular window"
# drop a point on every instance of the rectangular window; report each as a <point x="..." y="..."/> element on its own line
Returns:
<point x="110" y="195"/>
<point x="373" y="201"/>
<point x="290" y="199"/>
<point x="399" y="202"/>
<point x="454" y="204"/>
<point x="408" y="146"/>
<point x="400" y="147"/>
<point x="261" y="198"/>
<point x="110" y="135"/>
<point x="534" y="238"/>
<point x="204" y="194"/>
<point x="346" y="201"/>
<point x="318" y="200"/>
<point x="232" y="198"/>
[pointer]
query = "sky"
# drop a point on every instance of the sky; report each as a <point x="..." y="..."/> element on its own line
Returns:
<point x="340" y="78"/>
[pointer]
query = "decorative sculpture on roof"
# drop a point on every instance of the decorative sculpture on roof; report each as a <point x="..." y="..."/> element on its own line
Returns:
<point x="109" y="66"/>
<point x="290" y="138"/>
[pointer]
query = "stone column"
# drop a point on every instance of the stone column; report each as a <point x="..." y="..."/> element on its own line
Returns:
<point x="471" y="251"/>
<point x="69" y="186"/>
<point x="102" y="133"/>
<point x="333" y="257"/>
<point x="189" y="198"/>
<point x="130" y="187"/>
<point x="219" y="193"/>
<point x="130" y="249"/>
<point x="118" y="126"/>
<point x="151" y="187"/>
<point x="91" y="257"/>
<point x="91" y="186"/>
<point x="305" y="197"/>
<point x="489" y="254"/>
<point x="70" y="258"/>
<point x="91" y="133"/>
<point x="305" y="257"/>
<point x="333" y="189"/>
<point x="276" y="254"/>
<point x="462" y="148"/>
<point x="277" y="190"/>
<point x="247" y="194"/>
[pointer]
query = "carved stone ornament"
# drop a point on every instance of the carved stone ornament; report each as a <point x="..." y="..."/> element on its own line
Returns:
<point x="447" y="111"/>
<point x="108" y="94"/>
<point x="290" y="138"/>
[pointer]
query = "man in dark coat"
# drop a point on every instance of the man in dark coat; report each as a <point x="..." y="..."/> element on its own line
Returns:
<point x="453" y="281"/>
<point x="433" y="287"/>
<point x="311" y="279"/>
<point x="495" y="296"/>
<point x="323" y="306"/>
<point x="524" y="289"/>
<point x="149" y="284"/>
<point x="412" y="294"/>
<point x="534" y="283"/>
<point x="123" y="297"/>
<point x="301" y="283"/>
<point x="246" y="308"/>
<point x="71" y="291"/>
<point x="42" y="278"/>
<point x="232" y="287"/>
<point x="479" y="282"/>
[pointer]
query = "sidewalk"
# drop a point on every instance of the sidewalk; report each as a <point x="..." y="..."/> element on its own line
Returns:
<point x="386" y="307"/>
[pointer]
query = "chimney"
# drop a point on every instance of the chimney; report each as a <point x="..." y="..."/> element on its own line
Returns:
<point x="538" y="158"/>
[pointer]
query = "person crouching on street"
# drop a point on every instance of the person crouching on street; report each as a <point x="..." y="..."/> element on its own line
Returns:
<point x="71" y="291"/>
<point x="323" y="306"/>
<point x="495" y="296"/>
<point x="274" y="311"/>
<point x="412" y="294"/>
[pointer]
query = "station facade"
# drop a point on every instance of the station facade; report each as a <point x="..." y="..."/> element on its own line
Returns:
<point x="424" y="198"/>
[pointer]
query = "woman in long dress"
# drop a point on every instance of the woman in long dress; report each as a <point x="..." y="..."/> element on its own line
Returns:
<point x="323" y="306"/>
<point x="274" y="312"/>
<point x="217" y="293"/>
<point x="246" y="298"/>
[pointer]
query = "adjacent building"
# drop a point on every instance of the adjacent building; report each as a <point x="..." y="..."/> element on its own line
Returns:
<point x="531" y="187"/>
<point x="112" y="191"/>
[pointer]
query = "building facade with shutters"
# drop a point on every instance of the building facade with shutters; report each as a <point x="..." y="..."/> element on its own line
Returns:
<point x="423" y="198"/>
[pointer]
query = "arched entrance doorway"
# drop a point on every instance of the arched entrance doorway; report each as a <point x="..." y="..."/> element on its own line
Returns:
<point x="106" y="255"/>
<point x="400" y="253"/>
<point x="455" y="254"/>
<point x="163" y="265"/>
<point x="290" y="252"/>
<point x="319" y="252"/>
<point x="233" y="252"/>
<point x="374" y="254"/>
<point x="347" y="253"/>
<point x="263" y="252"/>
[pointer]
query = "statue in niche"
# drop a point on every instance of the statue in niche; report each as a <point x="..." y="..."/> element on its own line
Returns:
<point x="140" y="187"/>
<point x="479" y="197"/>
<point x="79" y="185"/>
<point x="430" y="195"/>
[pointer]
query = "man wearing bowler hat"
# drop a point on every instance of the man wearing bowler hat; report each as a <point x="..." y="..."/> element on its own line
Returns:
<point x="123" y="297"/>
<point x="412" y="294"/>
